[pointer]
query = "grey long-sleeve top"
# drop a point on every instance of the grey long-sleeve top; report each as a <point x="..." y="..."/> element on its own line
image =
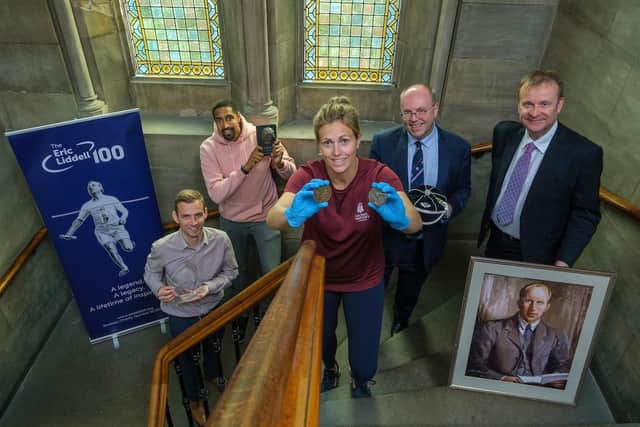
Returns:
<point x="172" y="262"/>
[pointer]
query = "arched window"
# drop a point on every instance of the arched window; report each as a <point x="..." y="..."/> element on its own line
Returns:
<point x="350" y="41"/>
<point x="176" y="38"/>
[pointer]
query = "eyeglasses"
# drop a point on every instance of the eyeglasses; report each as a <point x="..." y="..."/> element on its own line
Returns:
<point x="420" y="112"/>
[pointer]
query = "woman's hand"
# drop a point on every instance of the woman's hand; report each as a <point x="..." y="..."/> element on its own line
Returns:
<point x="304" y="204"/>
<point x="392" y="210"/>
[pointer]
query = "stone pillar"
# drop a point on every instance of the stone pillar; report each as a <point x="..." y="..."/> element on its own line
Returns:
<point x="260" y="109"/>
<point x="87" y="100"/>
<point x="442" y="47"/>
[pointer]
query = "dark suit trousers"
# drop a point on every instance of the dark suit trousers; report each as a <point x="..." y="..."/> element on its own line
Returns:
<point x="191" y="377"/>
<point x="411" y="277"/>
<point x="502" y="246"/>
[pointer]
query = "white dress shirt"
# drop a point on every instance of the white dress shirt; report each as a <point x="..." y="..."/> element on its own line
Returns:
<point x="429" y="145"/>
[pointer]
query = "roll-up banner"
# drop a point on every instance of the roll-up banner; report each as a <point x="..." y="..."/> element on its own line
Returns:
<point x="91" y="181"/>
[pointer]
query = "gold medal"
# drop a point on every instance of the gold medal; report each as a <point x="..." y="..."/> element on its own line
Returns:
<point x="377" y="197"/>
<point x="322" y="194"/>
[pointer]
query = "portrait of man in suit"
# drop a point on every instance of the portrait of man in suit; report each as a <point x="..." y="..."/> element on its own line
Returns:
<point x="542" y="204"/>
<point x="423" y="155"/>
<point x="522" y="346"/>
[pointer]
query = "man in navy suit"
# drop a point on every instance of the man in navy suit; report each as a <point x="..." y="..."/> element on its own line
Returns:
<point x="545" y="208"/>
<point x="445" y="165"/>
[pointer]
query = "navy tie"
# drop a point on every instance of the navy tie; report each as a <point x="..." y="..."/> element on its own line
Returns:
<point x="417" y="167"/>
<point x="527" y="332"/>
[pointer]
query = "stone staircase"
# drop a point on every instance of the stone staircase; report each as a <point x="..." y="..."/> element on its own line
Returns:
<point x="74" y="383"/>
<point x="413" y="371"/>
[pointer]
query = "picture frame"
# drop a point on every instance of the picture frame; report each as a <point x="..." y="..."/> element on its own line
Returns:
<point x="491" y="348"/>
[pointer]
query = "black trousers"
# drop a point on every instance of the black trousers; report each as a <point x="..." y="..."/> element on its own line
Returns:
<point x="503" y="246"/>
<point x="190" y="376"/>
<point x="411" y="276"/>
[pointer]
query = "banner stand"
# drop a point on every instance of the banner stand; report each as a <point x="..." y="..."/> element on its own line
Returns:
<point x="91" y="181"/>
<point x="115" y="337"/>
<point x="116" y="341"/>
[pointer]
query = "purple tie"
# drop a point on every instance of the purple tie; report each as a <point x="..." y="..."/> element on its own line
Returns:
<point x="417" y="167"/>
<point x="507" y="206"/>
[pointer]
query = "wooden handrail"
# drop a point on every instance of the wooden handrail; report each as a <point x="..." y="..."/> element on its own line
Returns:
<point x="481" y="148"/>
<point x="22" y="258"/>
<point x="281" y="356"/>
<point x="294" y="318"/>
<point x="203" y="328"/>
<point x="620" y="203"/>
<point x="301" y="406"/>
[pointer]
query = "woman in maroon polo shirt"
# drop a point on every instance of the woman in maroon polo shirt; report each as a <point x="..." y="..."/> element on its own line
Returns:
<point x="347" y="229"/>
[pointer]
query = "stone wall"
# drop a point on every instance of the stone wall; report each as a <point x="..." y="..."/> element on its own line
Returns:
<point x="29" y="310"/>
<point x="494" y="46"/>
<point x="594" y="45"/>
<point x="283" y="23"/>
<point x="29" y="96"/>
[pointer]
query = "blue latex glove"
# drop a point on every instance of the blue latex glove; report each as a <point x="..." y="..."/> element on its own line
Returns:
<point x="393" y="209"/>
<point x="304" y="205"/>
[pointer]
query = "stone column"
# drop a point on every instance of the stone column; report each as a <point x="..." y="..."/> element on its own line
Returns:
<point x="87" y="100"/>
<point x="442" y="47"/>
<point x="260" y="109"/>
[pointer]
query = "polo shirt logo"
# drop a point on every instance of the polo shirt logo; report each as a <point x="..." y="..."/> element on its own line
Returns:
<point x="361" y="215"/>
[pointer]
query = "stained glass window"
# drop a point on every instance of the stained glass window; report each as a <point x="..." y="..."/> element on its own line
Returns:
<point x="350" y="41"/>
<point x="175" y="38"/>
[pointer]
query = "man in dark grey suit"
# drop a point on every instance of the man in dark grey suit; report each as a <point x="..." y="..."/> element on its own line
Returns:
<point x="444" y="163"/>
<point x="543" y="204"/>
<point x="521" y="345"/>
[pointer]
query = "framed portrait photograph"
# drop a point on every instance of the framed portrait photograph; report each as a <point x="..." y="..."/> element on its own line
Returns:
<point x="528" y="330"/>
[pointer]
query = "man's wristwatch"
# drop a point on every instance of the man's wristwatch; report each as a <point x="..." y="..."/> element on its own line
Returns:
<point x="244" y="171"/>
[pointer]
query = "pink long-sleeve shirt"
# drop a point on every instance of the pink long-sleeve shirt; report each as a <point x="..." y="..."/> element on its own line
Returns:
<point x="240" y="197"/>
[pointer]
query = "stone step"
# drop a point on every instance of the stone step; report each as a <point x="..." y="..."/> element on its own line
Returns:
<point x="442" y="406"/>
<point x="448" y="277"/>
<point x="433" y="333"/>
<point x="417" y="374"/>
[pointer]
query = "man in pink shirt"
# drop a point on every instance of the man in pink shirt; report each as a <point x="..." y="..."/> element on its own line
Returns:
<point x="238" y="179"/>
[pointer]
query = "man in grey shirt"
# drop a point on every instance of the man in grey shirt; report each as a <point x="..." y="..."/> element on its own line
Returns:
<point x="188" y="271"/>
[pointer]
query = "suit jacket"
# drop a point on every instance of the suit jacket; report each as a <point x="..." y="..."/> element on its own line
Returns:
<point x="454" y="169"/>
<point x="562" y="209"/>
<point x="496" y="349"/>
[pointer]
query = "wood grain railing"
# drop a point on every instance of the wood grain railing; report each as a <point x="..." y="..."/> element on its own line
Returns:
<point x="22" y="258"/>
<point x="606" y="196"/>
<point x="277" y="381"/>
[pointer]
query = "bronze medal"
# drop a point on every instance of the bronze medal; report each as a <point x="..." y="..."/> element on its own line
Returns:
<point x="322" y="194"/>
<point x="377" y="197"/>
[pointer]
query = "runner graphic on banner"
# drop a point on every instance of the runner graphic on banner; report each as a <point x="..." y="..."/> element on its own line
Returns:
<point x="109" y="217"/>
<point x="102" y="238"/>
